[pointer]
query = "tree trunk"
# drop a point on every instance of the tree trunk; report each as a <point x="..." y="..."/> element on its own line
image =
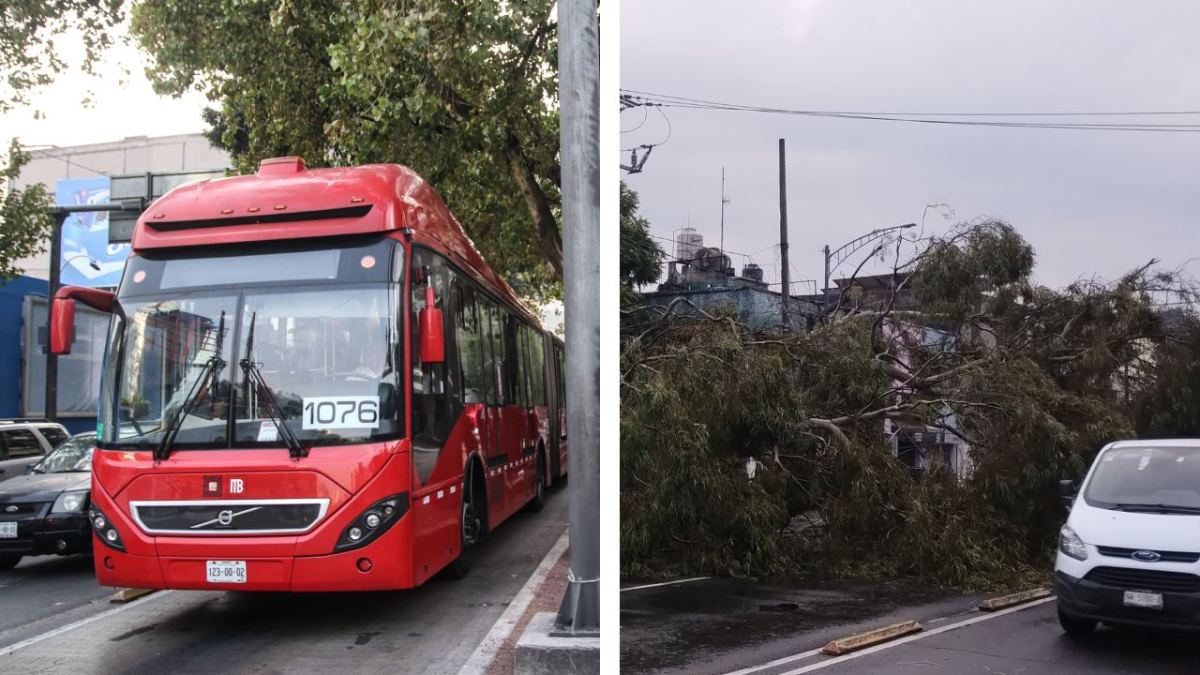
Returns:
<point x="549" y="238"/>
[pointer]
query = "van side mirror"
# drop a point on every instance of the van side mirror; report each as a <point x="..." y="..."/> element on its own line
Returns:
<point x="1066" y="492"/>
<point x="62" y="325"/>
<point x="432" y="331"/>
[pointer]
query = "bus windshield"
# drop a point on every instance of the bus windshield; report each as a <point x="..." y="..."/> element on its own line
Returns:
<point x="226" y="367"/>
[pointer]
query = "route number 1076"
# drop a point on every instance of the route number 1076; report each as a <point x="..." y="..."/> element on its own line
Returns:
<point x="341" y="412"/>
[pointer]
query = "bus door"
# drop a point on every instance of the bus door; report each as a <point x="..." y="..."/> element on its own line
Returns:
<point x="491" y="415"/>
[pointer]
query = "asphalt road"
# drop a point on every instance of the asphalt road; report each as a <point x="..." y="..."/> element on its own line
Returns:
<point x="44" y="592"/>
<point x="1030" y="642"/>
<point x="726" y="626"/>
<point x="432" y="629"/>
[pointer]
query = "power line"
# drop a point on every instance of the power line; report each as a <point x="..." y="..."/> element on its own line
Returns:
<point x="661" y="101"/>
<point x="68" y="161"/>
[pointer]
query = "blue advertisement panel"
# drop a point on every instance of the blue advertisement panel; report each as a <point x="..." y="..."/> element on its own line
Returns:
<point x="87" y="257"/>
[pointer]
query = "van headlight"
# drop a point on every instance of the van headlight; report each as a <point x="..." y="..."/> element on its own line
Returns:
<point x="1070" y="544"/>
<point x="70" y="502"/>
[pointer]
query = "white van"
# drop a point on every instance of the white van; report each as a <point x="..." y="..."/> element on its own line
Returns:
<point x="1130" y="551"/>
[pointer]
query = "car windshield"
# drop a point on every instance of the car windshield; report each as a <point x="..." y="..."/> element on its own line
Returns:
<point x="75" y="454"/>
<point x="1146" y="478"/>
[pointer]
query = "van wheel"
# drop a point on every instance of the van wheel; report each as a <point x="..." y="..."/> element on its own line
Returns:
<point x="470" y="532"/>
<point x="7" y="562"/>
<point x="1076" y="628"/>
<point x="539" y="493"/>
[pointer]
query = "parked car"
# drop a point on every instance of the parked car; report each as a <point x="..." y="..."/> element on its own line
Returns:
<point x="1129" y="553"/>
<point x="25" y="441"/>
<point x="45" y="511"/>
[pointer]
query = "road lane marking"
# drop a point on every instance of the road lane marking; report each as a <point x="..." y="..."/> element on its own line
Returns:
<point x="919" y="636"/>
<point x="665" y="583"/>
<point x="778" y="662"/>
<point x="976" y="617"/>
<point x="6" y="651"/>
<point x="481" y="659"/>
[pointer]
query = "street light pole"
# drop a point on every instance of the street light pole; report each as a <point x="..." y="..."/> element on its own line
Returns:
<point x="846" y="250"/>
<point x="579" y="101"/>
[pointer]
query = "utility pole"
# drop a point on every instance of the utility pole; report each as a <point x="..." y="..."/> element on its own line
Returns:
<point x="723" y="203"/>
<point x="783" y="232"/>
<point x="579" y="100"/>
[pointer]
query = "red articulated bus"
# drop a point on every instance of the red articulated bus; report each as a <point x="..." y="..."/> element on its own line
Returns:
<point x="313" y="382"/>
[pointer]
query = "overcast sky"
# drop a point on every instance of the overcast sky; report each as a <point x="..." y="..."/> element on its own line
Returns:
<point x="122" y="105"/>
<point x="1090" y="202"/>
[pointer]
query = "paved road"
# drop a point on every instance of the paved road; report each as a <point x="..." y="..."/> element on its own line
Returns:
<point x="45" y="592"/>
<point x="1030" y="642"/>
<point x="432" y="629"/>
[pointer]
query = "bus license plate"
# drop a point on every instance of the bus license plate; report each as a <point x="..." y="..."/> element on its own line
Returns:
<point x="1146" y="600"/>
<point x="225" y="571"/>
<point x="8" y="530"/>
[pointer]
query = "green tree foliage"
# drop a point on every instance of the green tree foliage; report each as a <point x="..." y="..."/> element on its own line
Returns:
<point x="24" y="224"/>
<point x="641" y="257"/>
<point x="465" y="93"/>
<point x="1031" y="378"/>
<point x="1167" y="398"/>
<point x="29" y="56"/>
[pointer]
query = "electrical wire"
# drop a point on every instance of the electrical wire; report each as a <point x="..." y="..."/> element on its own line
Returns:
<point x="645" y="116"/>
<point x="661" y="101"/>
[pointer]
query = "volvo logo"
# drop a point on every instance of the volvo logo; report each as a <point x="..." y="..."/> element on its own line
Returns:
<point x="11" y="508"/>
<point x="1146" y="556"/>
<point x="226" y="517"/>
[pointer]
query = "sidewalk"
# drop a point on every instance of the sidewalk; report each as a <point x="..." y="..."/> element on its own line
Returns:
<point x="548" y="597"/>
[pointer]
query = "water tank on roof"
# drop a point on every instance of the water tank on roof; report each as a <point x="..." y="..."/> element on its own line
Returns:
<point x="752" y="272"/>
<point x="687" y="241"/>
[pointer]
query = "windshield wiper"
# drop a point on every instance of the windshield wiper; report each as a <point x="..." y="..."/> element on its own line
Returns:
<point x="254" y="376"/>
<point x="1160" y="508"/>
<point x="212" y="369"/>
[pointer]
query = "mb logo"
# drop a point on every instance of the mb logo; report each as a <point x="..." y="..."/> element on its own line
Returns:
<point x="212" y="486"/>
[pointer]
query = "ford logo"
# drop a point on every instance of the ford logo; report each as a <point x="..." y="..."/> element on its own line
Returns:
<point x="1146" y="556"/>
<point x="11" y="508"/>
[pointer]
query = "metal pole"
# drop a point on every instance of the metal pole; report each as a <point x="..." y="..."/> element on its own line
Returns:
<point x="783" y="242"/>
<point x="579" y="101"/>
<point x="826" y="286"/>
<point x="722" y="210"/>
<point x="55" y="271"/>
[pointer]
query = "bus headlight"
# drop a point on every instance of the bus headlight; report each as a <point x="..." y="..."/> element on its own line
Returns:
<point x="372" y="522"/>
<point x="104" y="529"/>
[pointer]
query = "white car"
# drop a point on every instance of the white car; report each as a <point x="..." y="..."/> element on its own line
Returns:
<point x="24" y="442"/>
<point x="1129" y="553"/>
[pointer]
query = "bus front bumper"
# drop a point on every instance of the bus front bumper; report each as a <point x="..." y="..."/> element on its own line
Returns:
<point x="375" y="566"/>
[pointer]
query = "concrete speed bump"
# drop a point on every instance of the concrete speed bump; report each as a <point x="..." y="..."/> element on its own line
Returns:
<point x="869" y="638"/>
<point x="993" y="604"/>
<point x="129" y="594"/>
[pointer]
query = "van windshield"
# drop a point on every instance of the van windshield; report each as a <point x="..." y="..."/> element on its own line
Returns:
<point x="1147" y="479"/>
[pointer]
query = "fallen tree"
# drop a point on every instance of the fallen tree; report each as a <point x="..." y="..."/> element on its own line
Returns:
<point x="1033" y="380"/>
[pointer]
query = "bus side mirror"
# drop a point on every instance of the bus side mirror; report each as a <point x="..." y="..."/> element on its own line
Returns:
<point x="62" y="325"/>
<point x="432" y="331"/>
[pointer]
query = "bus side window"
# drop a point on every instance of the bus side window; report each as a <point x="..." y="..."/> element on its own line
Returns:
<point x="537" y="367"/>
<point x="470" y="341"/>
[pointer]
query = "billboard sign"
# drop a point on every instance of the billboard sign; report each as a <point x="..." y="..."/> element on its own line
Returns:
<point x="88" y="259"/>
